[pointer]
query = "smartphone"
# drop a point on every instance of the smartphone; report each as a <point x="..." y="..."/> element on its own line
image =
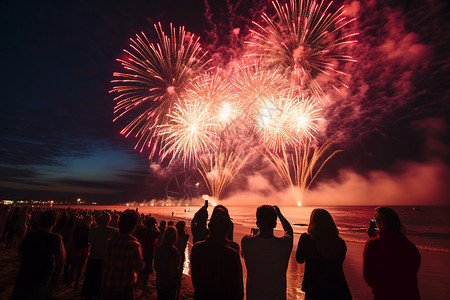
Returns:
<point x="206" y="202"/>
<point x="254" y="231"/>
<point x="373" y="224"/>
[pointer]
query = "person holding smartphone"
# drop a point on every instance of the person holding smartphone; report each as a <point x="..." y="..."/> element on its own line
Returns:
<point x="391" y="261"/>
<point x="372" y="230"/>
<point x="267" y="256"/>
<point x="199" y="229"/>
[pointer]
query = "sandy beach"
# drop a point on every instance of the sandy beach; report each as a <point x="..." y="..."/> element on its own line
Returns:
<point x="9" y="267"/>
<point x="433" y="281"/>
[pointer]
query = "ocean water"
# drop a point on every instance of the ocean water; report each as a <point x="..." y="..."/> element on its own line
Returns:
<point x="427" y="226"/>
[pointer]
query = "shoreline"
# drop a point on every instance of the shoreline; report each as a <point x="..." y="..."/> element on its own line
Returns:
<point x="431" y="285"/>
<point x="433" y="274"/>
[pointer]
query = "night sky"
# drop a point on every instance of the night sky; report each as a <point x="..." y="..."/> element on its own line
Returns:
<point x="58" y="141"/>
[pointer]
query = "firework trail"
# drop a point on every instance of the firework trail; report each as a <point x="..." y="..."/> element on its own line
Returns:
<point x="299" y="168"/>
<point x="154" y="78"/>
<point x="219" y="169"/>
<point x="304" y="40"/>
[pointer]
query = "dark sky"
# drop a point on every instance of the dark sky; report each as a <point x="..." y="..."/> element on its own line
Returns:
<point x="57" y="138"/>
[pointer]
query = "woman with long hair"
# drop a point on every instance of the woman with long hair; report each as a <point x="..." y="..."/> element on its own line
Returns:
<point x="390" y="260"/>
<point x="323" y="252"/>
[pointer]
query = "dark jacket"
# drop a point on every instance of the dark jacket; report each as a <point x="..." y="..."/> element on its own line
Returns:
<point x="323" y="278"/>
<point x="390" y="266"/>
<point x="216" y="271"/>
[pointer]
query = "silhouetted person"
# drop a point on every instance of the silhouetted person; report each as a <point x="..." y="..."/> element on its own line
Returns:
<point x="391" y="261"/>
<point x="80" y="250"/>
<point x="98" y="237"/>
<point x="216" y="269"/>
<point x="22" y="224"/>
<point x="167" y="263"/>
<point x="323" y="252"/>
<point x="161" y="228"/>
<point x="148" y="237"/>
<point x="198" y="225"/>
<point x="123" y="260"/>
<point x="4" y="215"/>
<point x="267" y="256"/>
<point x="42" y="256"/>
<point x="11" y="225"/>
<point x="68" y="243"/>
<point x="181" y="244"/>
<point x="114" y="220"/>
<point x="220" y="209"/>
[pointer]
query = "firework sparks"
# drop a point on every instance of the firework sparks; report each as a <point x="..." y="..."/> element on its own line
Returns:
<point x="286" y="121"/>
<point x="274" y="123"/>
<point x="174" y="105"/>
<point x="191" y="130"/>
<point x="254" y="82"/>
<point x="305" y="118"/>
<point x="219" y="169"/>
<point x="304" y="40"/>
<point x="217" y="90"/>
<point x="300" y="168"/>
<point x="154" y="78"/>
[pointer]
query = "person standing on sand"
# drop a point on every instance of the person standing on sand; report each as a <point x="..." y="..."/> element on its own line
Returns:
<point x="323" y="252"/>
<point x="123" y="260"/>
<point x="167" y="264"/>
<point x="22" y="225"/>
<point x="161" y="228"/>
<point x="80" y="250"/>
<point x="42" y="256"/>
<point x="148" y="237"/>
<point x="98" y="237"/>
<point x="391" y="261"/>
<point x="216" y="269"/>
<point x="4" y="214"/>
<point x="267" y="256"/>
<point x="181" y="244"/>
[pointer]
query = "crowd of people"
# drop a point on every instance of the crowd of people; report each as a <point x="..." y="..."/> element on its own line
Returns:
<point x="120" y="250"/>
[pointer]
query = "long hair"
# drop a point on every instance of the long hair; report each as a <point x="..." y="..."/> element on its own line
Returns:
<point x="324" y="232"/>
<point x="389" y="219"/>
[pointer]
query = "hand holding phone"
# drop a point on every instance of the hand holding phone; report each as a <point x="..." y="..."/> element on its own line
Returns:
<point x="371" y="231"/>
<point x="254" y="231"/>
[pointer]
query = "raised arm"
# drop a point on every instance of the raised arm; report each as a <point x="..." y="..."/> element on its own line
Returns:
<point x="285" y="223"/>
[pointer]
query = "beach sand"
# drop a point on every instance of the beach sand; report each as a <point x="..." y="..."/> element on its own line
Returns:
<point x="9" y="267"/>
<point x="432" y="284"/>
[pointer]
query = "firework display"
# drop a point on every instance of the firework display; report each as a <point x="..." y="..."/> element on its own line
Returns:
<point x="304" y="40"/>
<point x="154" y="78"/>
<point x="190" y="130"/>
<point x="219" y="169"/>
<point x="299" y="168"/>
<point x="180" y="109"/>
